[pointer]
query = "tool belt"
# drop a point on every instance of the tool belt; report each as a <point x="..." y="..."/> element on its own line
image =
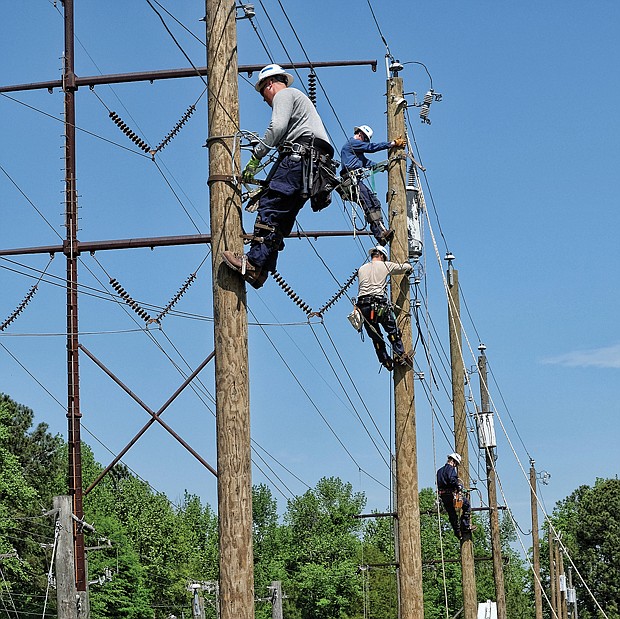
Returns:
<point x="379" y="306"/>
<point x="318" y="169"/>
<point x="369" y="299"/>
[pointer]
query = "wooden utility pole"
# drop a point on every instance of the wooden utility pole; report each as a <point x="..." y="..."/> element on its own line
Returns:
<point x="535" y="543"/>
<point x="66" y="592"/>
<point x="230" y="321"/>
<point x="562" y="582"/>
<point x="552" y="571"/>
<point x="411" y="602"/>
<point x="468" y="575"/>
<point x="496" y="545"/>
<point x="276" y="599"/>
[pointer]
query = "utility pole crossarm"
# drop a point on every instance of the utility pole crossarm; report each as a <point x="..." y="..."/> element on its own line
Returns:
<point x="166" y="74"/>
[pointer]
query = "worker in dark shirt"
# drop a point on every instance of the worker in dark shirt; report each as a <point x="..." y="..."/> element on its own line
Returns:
<point x="354" y="161"/>
<point x="449" y="486"/>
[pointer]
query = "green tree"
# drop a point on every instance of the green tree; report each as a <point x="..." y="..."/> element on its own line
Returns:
<point x="322" y="550"/>
<point x="590" y="531"/>
<point x="267" y="537"/>
<point x="27" y="462"/>
<point x="378" y="570"/>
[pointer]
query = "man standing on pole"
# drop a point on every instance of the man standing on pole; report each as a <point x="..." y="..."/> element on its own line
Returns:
<point x="355" y="166"/>
<point x="450" y="488"/>
<point x="297" y="131"/>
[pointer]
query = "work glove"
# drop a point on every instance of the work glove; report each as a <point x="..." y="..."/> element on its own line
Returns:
<point x="400" y="143"/>
<point x="250" y="170"/>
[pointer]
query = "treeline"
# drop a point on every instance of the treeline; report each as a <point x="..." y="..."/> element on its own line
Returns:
<point x="331" y="564"/>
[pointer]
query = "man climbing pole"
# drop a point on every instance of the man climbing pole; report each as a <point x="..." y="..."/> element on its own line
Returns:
<point x="451" y="490"/>
<point x="355" y="164"/>
<point x="377" y="310"/>
<point x="297" y="131"/>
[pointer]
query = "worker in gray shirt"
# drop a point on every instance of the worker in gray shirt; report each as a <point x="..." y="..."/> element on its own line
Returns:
<point x="377" y="310"/>
<point x="297" y="131"/>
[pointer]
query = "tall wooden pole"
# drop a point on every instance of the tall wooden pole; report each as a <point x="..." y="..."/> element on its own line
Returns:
<point x="552" y="572"/>
<point x="562" y="589"/>
<point x="558" y="593"/>
<point x="535" y="543"/>
<point x="470" y="606"/>
<point x="411" y="603"/>
<point x="496" y="546"/>
<point x="66" y="593"/>
<point x="230" y="321"/>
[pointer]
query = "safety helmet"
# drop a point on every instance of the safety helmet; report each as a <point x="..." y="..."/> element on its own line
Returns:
<point x="380" y="249"/>
<point x="271" y="70"/>
<point x="365" y="129"/>
<point x="456" y="457"/>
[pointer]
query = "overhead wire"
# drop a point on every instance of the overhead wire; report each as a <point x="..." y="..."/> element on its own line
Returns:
<point x="315" y="406"/>
<point x="77" y="127"/>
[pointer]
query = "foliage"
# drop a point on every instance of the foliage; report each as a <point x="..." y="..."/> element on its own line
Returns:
<point x="322" y="549"/>
<point x="145" y="551"/>
<point x="589" y="530"/>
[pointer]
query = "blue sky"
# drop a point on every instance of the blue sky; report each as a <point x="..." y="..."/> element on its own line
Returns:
<point x="520" y="162"/>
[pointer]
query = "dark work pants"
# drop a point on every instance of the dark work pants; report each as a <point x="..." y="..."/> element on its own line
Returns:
<point x="278" y="207"/>
<point x="388" y="322"/>
<point x="448" y="502"/>
<point x="370" y="204"/>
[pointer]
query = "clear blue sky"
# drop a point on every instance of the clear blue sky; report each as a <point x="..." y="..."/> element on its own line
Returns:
<point x="520" y="160"/>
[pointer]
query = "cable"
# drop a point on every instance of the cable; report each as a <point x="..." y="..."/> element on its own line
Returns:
<point x="61" y="120"/>
<point x="378" y="27"/>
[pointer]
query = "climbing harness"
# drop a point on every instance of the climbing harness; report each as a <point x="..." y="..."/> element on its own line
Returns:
<point x="319" y="177"/>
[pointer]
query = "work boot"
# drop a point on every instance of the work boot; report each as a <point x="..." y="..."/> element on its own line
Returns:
<point x="254" y="275"/>
<point x="388" y="364"/>
<point x="386" y="237"/>
<point x="406" y="359"/>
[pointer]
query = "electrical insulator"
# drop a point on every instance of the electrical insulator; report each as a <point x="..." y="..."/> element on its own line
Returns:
<point x="190" y="110"/>
<point x="118" y="121"/>
<point x="338" y="294"/>
<point x="188" y="282"/>
<point x="426" y="105"/>
<point x="312" y="87"/>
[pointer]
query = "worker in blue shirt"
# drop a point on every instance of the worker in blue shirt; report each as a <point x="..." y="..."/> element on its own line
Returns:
<point x="353" y="157"/>
<point x="448" y="486"/>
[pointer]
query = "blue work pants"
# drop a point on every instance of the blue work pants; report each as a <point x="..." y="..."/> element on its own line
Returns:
<point x="370" y="204"/>
<point x="278" y="207"/>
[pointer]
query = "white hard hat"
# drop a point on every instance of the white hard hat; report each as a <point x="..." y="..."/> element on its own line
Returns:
<point x="456" y="457"/>
<point x="365" y="129"/>
<point x="271" y="70"/>
<point x="380" y="249"/>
